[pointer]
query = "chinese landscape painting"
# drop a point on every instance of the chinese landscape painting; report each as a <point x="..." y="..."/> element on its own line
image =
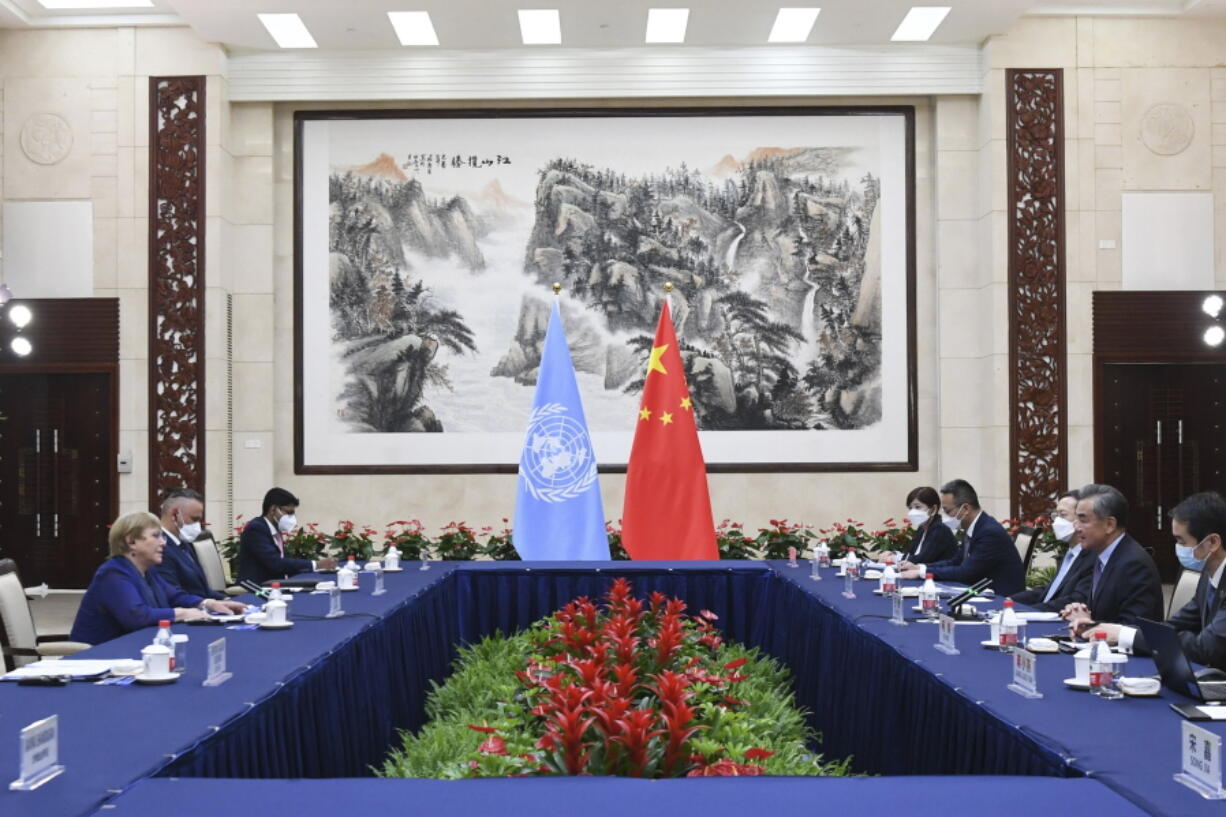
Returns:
<point x="428" y="247"/>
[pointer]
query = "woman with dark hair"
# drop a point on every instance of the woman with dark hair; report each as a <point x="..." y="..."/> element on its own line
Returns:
<point x="933" y="541"/>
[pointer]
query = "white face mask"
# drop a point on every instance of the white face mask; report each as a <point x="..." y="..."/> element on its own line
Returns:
<point x="287" y="523"/>
<point x="190" y="532"/>
<point x="1062" y="528"/>
<point x="951" y="522"/>
<point x="917" y="517"/>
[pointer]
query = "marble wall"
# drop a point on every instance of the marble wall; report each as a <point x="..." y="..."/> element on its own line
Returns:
<point x="1135" y="91"/>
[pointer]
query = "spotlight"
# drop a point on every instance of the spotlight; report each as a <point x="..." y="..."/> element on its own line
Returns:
<point x="20" y="315"/>
<point x="1212" y="305"/>
<point x="1214" y="335"/>
<point x="21" y="346"/>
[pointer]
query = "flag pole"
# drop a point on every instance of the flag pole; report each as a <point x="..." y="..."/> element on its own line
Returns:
<point x="557" y="288"/>
<point x="668" y="293"/>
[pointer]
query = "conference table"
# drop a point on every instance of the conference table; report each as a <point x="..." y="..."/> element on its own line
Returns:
<point x="311" y="710"/>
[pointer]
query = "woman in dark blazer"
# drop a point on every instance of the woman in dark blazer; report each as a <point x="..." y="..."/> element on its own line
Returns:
<point x="932" y="542"/>
<point x="126" y="595"/>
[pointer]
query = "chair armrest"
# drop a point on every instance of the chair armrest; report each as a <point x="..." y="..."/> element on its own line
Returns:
<point x="60" y="648"/>
<point x="28" y="651"/>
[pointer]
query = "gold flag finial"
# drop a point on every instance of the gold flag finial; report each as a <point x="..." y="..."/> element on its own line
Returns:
<point x="556" y="287"/>
<point x="668" y="286"/>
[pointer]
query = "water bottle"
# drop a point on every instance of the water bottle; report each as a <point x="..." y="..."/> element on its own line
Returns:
<point x="889" y="579"/>
<point x="391" y="559"/>
<point x="1102" y="669"/>
<point x="165" y="638"/>
<point x="822" y="554"/>
<point x="352" y="567"/>
<point x="1008" y="628"/>
<point x="851" y="565"/>
<point x="928" y="597"/>
<point x="274" y="594"/>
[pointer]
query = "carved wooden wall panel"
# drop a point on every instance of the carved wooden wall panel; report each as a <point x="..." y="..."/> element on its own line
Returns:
<point x="1038" y="447"/>
<point x="176" y="285"/>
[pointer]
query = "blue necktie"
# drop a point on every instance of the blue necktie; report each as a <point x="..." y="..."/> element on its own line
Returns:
<point x="1060" y="574"/>
<point x="1206" y="614"/>
<point x="1098" y="572"/>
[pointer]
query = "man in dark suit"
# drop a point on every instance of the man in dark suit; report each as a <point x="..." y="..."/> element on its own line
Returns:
<point x="1199" y="525"/>
<point x="1123" y="585"/>
<point x="261" y="546"/>
<point x="182" y="520"/>
<point x="987" y="550"/>
<point x="1075" y="563"/>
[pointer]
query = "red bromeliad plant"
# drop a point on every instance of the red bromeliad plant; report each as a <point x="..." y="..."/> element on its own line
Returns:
<point x="616" y="689"/>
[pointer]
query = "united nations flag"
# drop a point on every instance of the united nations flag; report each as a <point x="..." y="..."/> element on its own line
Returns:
<point x="558" y="512"/>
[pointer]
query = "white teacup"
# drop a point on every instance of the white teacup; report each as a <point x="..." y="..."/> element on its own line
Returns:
<point x="157" y="660"/>
<point x="1081" y="662"/>
<point x="275" y="613"/>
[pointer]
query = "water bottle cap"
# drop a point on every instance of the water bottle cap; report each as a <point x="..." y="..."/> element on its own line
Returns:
<point x="163" y="623"/>
<point x="1100" y="636"/>
<point x="1008" y="602"/>
<point x="277" y="585"/>
<point x="927" y="575"/>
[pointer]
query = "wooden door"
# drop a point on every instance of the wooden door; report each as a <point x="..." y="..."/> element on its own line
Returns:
<point x="1162" y="440"/>
<point x="57" y="463"/>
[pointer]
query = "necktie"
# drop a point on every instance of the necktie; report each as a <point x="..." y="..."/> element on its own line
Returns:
<point x="1206" y="614"/>
<point x="1060" y="574"/>
<point x="280" y="543"/>
<point x="1098" y="572"/>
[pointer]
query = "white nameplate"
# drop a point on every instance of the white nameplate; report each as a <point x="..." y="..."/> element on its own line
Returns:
<point x="1024" y="680"/>
<point x="945" y="635"/>
<point x="40" y="754"/>
<point x="334" y="603"/>
<point x="896" y="616"/>
<point x="217" y="664"/>
<point x="1202" y="761"/>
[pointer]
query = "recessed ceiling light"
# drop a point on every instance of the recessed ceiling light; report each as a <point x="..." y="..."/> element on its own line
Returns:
<point x="288" y="30"/>
<point x="920" y="23"/>
<point x="1212" y="305"/>
<point x="413" y="27"/>
<point x="667" y="25"/>
<point x="792" y="25"/>
<point x="540" y="26"/>
<point x="95" y="4"/>
<point x="1214" y="335"/>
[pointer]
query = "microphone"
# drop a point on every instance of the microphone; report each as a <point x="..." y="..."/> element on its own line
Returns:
<point x="258" y="591"/>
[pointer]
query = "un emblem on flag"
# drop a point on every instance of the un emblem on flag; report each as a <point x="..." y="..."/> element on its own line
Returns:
<point x="558" y="462"/>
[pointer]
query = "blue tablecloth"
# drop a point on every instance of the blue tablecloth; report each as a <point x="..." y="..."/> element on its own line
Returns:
<point x="571" y="797"/>
<point x="325" y="699"/>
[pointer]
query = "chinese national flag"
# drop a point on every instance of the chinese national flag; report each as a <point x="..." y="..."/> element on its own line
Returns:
<point x="667" y="513"/>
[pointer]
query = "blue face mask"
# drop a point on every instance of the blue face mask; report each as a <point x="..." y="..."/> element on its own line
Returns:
<point x="1187" y="556"/>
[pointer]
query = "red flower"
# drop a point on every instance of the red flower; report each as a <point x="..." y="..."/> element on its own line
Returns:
<point x="708" y="615"/>
<point x="757" y="754"/>
<point x="493" y="746"/>
<point x="740" y="662"/>
<point x="489" y="730"/>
